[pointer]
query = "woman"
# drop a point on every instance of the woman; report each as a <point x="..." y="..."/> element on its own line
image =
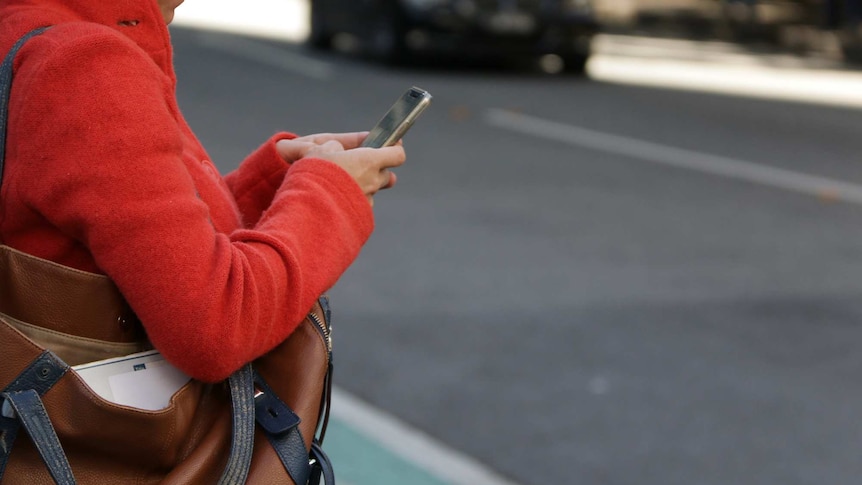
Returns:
<point x="103" y="174"/>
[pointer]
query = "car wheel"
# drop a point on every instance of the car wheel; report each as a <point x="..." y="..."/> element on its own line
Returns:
<point x="387" y="37"/>
<point x="575" y="63"/>
<point x="319" y="36"/>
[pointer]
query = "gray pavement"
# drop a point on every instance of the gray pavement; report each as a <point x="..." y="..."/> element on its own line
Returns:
<point x="566" y="313"/>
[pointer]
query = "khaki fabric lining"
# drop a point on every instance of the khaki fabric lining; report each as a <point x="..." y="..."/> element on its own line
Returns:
<point x="72" y="349"/>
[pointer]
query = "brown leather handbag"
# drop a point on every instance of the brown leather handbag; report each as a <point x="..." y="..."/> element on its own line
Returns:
<point x="264" y="425"/>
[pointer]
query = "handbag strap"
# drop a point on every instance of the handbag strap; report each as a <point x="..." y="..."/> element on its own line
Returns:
<point x="6" y="89"/>
<point x="27" y="405"/>
<point x="321" y="466"/>
<point x="281" y="426"/>
<point x="21" y="401"/>
<point x="241" y="385"/>
<point x="22" y="405"/>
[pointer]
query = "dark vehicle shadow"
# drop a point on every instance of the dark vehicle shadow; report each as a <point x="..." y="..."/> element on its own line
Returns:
<point x="546" y="67"/>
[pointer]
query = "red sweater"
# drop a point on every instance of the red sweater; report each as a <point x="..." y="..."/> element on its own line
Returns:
<point x="103" y="174"/>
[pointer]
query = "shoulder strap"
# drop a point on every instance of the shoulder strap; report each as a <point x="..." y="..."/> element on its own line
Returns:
<point x="6" y="88"/>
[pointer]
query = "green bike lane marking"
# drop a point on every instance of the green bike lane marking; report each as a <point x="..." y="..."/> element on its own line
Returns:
<point x="358" y="460"/>
<point x="369" y="447"/>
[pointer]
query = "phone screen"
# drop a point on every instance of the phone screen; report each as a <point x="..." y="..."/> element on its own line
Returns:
<point x="398" y="119"/>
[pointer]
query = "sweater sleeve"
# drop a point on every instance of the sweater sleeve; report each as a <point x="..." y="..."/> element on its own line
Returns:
<point x="256" y="180"/>
<point x="111" y="176"/>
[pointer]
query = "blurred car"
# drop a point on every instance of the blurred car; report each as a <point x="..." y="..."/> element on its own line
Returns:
<point x="392" y="30"/>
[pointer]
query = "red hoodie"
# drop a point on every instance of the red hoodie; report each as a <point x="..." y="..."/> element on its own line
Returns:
<point x="103" y="174"/>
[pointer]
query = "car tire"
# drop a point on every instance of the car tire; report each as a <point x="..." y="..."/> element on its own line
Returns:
<point x="575" y="63"/>
<point x="319" y="36"/>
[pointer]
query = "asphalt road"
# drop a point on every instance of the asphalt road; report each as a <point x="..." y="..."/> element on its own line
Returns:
<point x="562" y="304"/>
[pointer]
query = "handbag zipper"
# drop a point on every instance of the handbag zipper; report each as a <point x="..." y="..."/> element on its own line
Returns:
<point x="323" y="324"/>
<point x="324" y="330"/>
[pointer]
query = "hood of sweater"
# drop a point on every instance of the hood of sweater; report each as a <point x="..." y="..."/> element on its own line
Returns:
<point x="139" y="20"/>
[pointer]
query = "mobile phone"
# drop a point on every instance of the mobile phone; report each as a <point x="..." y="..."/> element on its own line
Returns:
<point x="398" y="119"/>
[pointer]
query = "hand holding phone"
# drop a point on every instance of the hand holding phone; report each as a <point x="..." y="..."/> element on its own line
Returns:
<point x="370" y="169"/>
<point x="398" y="119"/>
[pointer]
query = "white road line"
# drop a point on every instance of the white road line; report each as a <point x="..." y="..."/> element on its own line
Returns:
<point x="411" y="444"/>
<point x="676" y="157"/>
<point x="268" y="55"/>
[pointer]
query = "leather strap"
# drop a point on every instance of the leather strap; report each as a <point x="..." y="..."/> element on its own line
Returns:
<point x="321" y="467"/>
<point x="8" y="432"/>
<point x="41" y="375"/>
<point x="281" y="427"/>
<point x="31" y="413"/>
<point x="6" y="89"/>
<point x="21" y="404"/>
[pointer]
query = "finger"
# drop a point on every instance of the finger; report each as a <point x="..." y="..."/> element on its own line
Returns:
<point x="347" y="140"/>
<point x="326" y="148"/>
<point x="291" y="150"/>
<point x="352" y="140"/>
<point x="391" y="182"/>
<point x="386" y="177"/>
<point x="332" y="145"/>
<point x="389" y="157"/>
